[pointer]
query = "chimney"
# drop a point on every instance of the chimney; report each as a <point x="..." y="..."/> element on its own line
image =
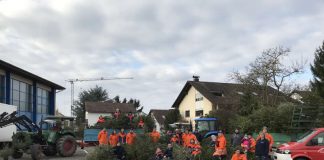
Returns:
<point x="195" y="78"/>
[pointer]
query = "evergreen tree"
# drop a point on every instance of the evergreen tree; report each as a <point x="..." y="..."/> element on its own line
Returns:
<point x="131" y="101"/>
<point x="97" y="94"/>
<point x="137" y="103"/>
<point x="249" y="103"/>
<point x="116" y="99"/>
<point x="172" y="116"/>
<point x="318" y="71"/>
<point x="124" y="100"/>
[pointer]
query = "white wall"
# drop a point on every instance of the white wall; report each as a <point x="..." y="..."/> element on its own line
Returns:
<point x="93" y="117"/>
<point x="157" y="125"/>
<point x="189" y="103"/>
<point x="7" y="132"/>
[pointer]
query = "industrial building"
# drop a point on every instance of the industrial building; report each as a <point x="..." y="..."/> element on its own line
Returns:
<point x="33" y="95"/>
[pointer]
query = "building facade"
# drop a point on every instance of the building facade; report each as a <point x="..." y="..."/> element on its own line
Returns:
<point x="198" y="98"/>
<point x="34" y="96"/>
<point x="158" y="116"/>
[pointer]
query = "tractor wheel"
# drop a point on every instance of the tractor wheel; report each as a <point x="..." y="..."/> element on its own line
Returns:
<point x="66" y="146"/>
<point x="17" y="154"/>
<point x="36" y="151"/>
<point x="50" y="150"/>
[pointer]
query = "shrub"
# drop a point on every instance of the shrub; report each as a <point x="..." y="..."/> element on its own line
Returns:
<point x="5" y="152"/>
<point x="101" y="153"/>
<point x="143" y="148"/>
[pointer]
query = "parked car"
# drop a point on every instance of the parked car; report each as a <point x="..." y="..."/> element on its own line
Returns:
<point x="310" y="146"/>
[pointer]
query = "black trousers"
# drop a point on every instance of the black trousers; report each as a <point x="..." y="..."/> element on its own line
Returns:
<point x="262" y="157"/>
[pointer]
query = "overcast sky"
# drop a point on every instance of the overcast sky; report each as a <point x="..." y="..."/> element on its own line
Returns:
<point x="159" y="43"/>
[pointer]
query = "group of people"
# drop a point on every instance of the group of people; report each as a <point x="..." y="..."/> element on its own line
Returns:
<point x="242" y="145"/>
<point x="246" y="145"/>
<point x="114" y="138"/>
<point x="117" y="115"/>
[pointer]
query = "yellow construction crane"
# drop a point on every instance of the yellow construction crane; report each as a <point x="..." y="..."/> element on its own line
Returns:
<point x="72" y="81"/>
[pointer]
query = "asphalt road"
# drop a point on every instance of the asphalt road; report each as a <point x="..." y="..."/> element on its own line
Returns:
<point x="79" y="155"/>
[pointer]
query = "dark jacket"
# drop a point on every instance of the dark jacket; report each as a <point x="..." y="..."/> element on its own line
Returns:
<point x="198" y="136"/>
<point x="168" y="153"/>
<point x="262" y="147"/>
<point x="236" y="139"/>
<point x="120" y="152"/>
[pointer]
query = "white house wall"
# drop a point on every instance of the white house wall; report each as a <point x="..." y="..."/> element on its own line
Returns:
<point x="189" y="103"/>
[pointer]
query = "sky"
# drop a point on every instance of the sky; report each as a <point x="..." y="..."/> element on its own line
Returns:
<point x="159" y="43"/>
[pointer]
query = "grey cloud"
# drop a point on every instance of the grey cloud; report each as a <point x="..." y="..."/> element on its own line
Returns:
<point x="161" y="44"/>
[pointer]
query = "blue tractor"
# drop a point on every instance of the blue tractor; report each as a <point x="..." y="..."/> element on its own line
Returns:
<point x="206" y="126"/>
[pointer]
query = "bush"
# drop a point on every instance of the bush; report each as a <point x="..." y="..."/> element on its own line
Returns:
<point x="180" y="153"/>
<point x="143" y="148"/>
<point x="5" y="152"/>
<point x="102" y="153"/>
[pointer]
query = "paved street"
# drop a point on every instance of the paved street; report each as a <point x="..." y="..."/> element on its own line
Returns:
<point x="79" y="155"/>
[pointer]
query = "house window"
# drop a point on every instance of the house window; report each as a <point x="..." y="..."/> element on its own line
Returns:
<point x="21" y="95"/>
<point x="199" y="97"/>
<point x="42" y="101"/>
<point x="187" y="114"/>
<point x="2" y="89"/>
<point x="199" y="113"/>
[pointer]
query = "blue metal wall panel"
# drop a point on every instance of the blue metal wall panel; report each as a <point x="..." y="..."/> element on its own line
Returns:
<point x="34" y="101"/>
<point x="51" y="110"/>
<point x="8" y="87"/>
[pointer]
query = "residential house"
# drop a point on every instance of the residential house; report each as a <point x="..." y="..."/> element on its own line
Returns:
<point x="96" y="109"/>
<point x="198" y="98"/>
<point x="159" y="117"/>
<point x="33" y="95"/>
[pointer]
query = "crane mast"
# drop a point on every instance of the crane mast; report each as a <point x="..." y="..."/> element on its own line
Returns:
<point x="72" y="81"/>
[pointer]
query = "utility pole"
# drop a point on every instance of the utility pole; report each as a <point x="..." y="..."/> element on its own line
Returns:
<point x="72" y="81"/>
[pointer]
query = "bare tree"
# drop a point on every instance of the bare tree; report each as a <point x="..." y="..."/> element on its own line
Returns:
<point x="269" y="69"/>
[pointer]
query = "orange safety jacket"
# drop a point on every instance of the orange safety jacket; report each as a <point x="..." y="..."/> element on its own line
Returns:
<point x="252" y="147"/>
<point x="122" y="137"/>
<point x="130" y="138"/>
<point x="102" y="137"/>
<point x="174" y="140"/>
<point x="239" y="157"/>
<point x="101" y="120"/>
<point x="113" y="139"/>
<point x="220" y="149"/>
<point x="155" y="136"/>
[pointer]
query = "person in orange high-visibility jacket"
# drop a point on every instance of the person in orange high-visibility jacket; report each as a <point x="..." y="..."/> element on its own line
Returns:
<point x="220" y="148"/>
<point x="113" y="139"/>
<point x="101" y="119"/>
<point x="103" y="137"/>
<point x="122" y="136"/>
<point x="185" y="140"/>
<point x="252" y="143"/>
<point x="268" y="136"/>
<point x="174" y="139"/>
<point x="197" y="149"/>
<point x="130" y="137"/>
<point x="191" y="136"/>
<point x="238" y="155"/>
<point x="155" y="136"/>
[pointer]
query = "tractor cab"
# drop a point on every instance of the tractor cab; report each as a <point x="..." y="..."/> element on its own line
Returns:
<point x="206" y="126"/>
<point x="58" y="123"/>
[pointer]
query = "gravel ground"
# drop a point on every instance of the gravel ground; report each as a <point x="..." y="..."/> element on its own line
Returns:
<point x="80" y="154"/>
